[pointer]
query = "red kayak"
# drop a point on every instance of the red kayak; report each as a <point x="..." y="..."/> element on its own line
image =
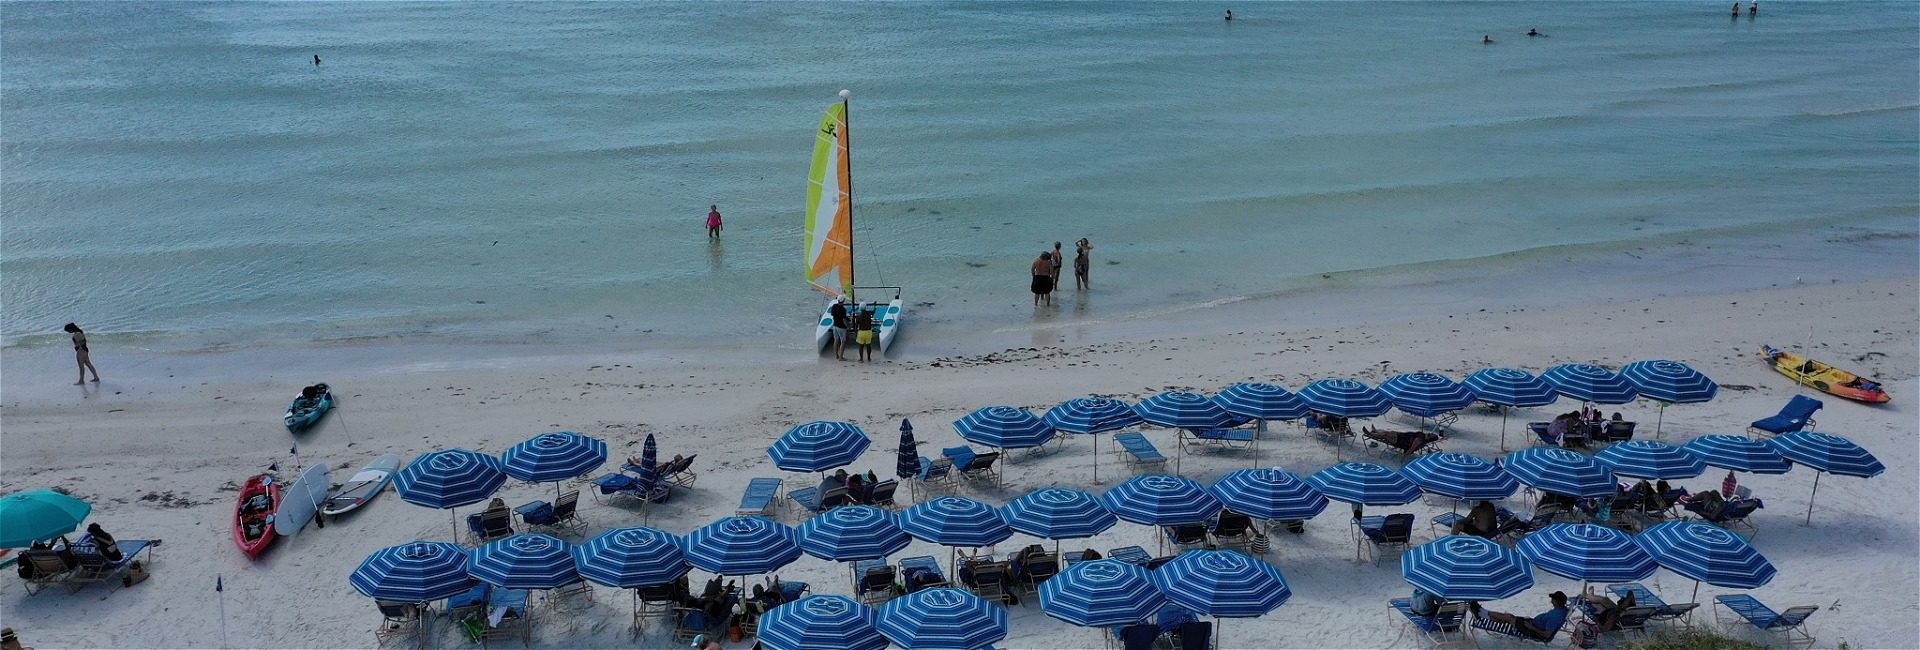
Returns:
<point x="253" y="515"/>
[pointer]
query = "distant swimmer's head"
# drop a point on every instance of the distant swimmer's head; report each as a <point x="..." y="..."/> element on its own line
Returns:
<point x="1046" y="255"/>
<point x="72" y="328"/>
<point x="1488" y="38"/>
<point x="1533" y="32"/>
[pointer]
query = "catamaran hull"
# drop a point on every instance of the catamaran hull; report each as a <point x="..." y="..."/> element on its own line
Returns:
<point x="886" y="323"/>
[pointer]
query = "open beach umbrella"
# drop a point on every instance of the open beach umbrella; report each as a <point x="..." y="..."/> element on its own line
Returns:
<point x="906" y="465"/>
<point x="1184" y="410"/>
<point x="39" y="515"/>
<point x="1650" y="459"/>
<point x="1426" y="394"/>
<point x="1268" y="493"/>
<point x="1826" y="453"/>
<point x="740" y="545"/>
<point x="1222" y="584"/>
<point x="1738" y="453"/>
<point x="955" y="522"/>
<point x="415" y="572"/>
<point x="1460" y="476"/>
<point x="1364" y="484"/>
<point x="1346" y="398"/>
<point x="821" y="622"/>
<point x="1668" y="382"/>
<point x="1464" y="567"/>
<point x="553" y="457"/>
<point x="818" y="446"/>
<point x="1705" y="553"/>
<point x="630" y="558"/>
<point x="1510" y="388"/>
<point x="942" y="619"/>
<point x="1058" y="513"/>
<point x="1161" y="500"/>
<point x="1100" y="593"/>
<point x="850" y="533"/>
<point x="524" y="561"/>
<point x="1590" y="383"/>
<point x="1004" y="427"/>
<point x="1262" y="402"/>
<point x="448" y="479"/>
<point x="1588" y="553"/>
<point x="1092" y="415"/>
<point x="1561" y="471"/>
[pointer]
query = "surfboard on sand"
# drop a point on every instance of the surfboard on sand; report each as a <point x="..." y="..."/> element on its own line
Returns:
<point x="299" y="501"/>
<point x="363" y="487"/>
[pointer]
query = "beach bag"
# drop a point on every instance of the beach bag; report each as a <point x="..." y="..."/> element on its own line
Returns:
<point x="136" y="573"/>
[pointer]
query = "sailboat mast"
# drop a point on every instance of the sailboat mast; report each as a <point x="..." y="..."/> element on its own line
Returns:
<point x="846" y="131"/>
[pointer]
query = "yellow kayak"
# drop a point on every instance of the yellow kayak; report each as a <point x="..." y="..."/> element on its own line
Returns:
<point x="1822" y="377"/>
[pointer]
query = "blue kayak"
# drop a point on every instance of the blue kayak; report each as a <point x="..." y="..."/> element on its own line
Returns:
<point x="314" y="401"/>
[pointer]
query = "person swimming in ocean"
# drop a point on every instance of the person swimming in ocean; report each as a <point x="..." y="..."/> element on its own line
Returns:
<point x="1534" y="32"/>
<point x="1736" y="9"/>
<point x="1486" y="39"/>
<point x="1754" y="9"/>
<point x="1229" y="14"/>
<point x="316" y="59"/>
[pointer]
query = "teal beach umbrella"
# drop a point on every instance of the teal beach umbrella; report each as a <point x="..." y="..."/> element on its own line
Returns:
<point x="36" y="515"/>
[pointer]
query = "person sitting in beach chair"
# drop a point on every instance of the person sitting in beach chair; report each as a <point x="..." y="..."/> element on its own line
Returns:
<point x="1542" y="627"/>
<point x="1482" y="521"/>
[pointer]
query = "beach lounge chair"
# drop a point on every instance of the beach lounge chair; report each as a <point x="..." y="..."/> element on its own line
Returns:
<point x="921" y="572"/>
<point x="1662" y="610"/>
<point x="882" y="495"/>
<point x="563" y="515"/>
<point x="759" y="497"/>
<point x="618" y="485"/>
<point x="962" y="457"/>
<point x="981" y="468"/>
<point x="936" y="477"/>
<point x="1396" y="531"/>
<point x="473" y="600"/>
<point x="790" y="590"/>
<point x="1130" y="555"/>
<point x="490" y="525"/>
<point x="1192" y="439"/>
<point x="1187" y="536"/>
<point x="1731" y="516"/>
<point x="1194" y="635"/>
<point x="1542" y="435"/>
<point x="1616" y="431"/>
<point x="655" y="602"/>
<point x="874" y="584"/>
<point x="1233" y="530"/>
<point x="1405" y="443"/>
<point x="989" y="580"/>
<point x="91" y="566"/>
<point x="1036" y="568"/>
<point x="1504" y="630"/>
<point x="399" y="622"/>
<point x="1790" y="625"/>
<point x="48" y="568"/>
<point x="689" y="622"/>
<point x="1139" y="454"/>
<point x="814" y="501"/>
<point x="681" y="473"/>
<point x="1447" y="625"/>
<point x="1797" y="415"/>
<point x="1139" y="636"/>
<point x="506" y="615"/>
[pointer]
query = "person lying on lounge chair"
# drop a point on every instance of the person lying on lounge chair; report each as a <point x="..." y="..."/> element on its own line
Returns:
<point x="1541" y="627"/>
<point x="1609" y="611"/>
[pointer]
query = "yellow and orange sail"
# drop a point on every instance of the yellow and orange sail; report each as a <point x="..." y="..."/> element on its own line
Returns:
<point x="830" y="207"/>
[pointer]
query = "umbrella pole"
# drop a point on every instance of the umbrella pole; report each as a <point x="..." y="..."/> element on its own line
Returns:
<point x="1179" y="449"/>
<point x="1816" y="492"/>
<point x="1659" y="419"/>
<point x="1259" y="429"/>
<point x="1096" y="459"/>
<point x="1503" y="428"/>
<point x="455" y="520"/>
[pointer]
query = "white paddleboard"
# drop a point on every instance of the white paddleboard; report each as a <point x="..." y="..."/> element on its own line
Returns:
<point x="363" y="487"/>
<point x="299" y="501"/>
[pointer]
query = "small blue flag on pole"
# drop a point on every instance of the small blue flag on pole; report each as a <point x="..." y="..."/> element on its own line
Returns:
<point x="216" y="584"/>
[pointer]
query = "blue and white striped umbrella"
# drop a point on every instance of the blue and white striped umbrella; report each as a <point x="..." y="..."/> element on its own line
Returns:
<point x="1460" y="476"/>
<point x="1183" y="410"/>
<point x="1669" y="381"/>
<point x="818" y="446"/>
<point x="906" y="462"/>
<point x="1827" y="453"/>
<point x="1706" y="553"/>
<point x="629" y="558"/>
<point x="1426" y="394"/>
<point x="1261" y="401"/>
<point x="1510" y="387"/>
<point x="942" y="619"/>
<point x="1223" y="584"/>
<point x="1651" y="460"/>
<point x="1738" y="453"/>
<point x="1588" y="382"/>
<point x="524" y="561"/>
<point x="1346" y="398"/>
<point x="740" y="545"/>
<point x="1101" y="593"/>
<point x="1587" y="552"/>
<point x="1161" y="500"/>
<point x="1005" y="427"/>
<point x="551" y="457"/>
<point x="955" y="521"/>
<point x="821" y="622"/>
<point x="1268" y="493"/>
<point x="850" y="533"/>
<point x="1058" y="513"/>
<point x="1092" y="415"/>
<point x="1364" y="484"/>
<point x="1463" y="567"/>
<point x="1561" y="471"/>
<point x="449" y="478"/>
<point x="415" y="572"/>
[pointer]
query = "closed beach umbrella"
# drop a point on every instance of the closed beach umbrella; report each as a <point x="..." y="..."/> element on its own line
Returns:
<point x="1161" y="500"/>
<point x="39" y="515"/>
<point x="1058" y="513"/>
<point x="1092" y="415"/>
<point x="818" y="446"/>
<point x="850" y="533"/>
<point x="448" y="479"/>
<point x="1268" y="493"/>
<point x="1364" y="484"/>
<point x="821" y="622"/>
<point x="554" y="457"/>
<point x="1222" y="584"/>
<point x="1668" y="382"/>
<point x="524" y="561"/>
<point x="1590" y="383"/>
<point x="1651" y="460"/>
<point x="1463" y="567"/>
<point x="942" y="619"/>
<point x="956" y="522"/>
<point x="1512" y="388"/>
<point x="649" y="466"/>
<point x="415" y="572"/>
<point x="1460" y="476"/>
<point x="1262" y="402"/>
<point x="907" y="462"/>
<point x="1426" y="394"/>
<point x="1345" y="398"/>
<point x="1561" y="471"/>
<point x="1099" y="593"/>
<point x="630" y="558"/>
<point x="1738" y="453"/>
<point x="1826" y="453"/>
<point x="741" y="545"/>
<point x="1587" y="552"/>
<point x="1005" y="427"/>
<point x="1706" y="553"/>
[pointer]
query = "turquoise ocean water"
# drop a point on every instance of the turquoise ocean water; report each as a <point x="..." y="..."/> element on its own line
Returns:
<point x="182" y="175"/>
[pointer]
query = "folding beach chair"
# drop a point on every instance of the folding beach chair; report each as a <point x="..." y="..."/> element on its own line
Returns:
<point x="655" y="602"/>
<point x="1395" y="532"/>
<point x="1446" y="625"/>
<point x="1797" y="415"/>
<point x="490" y="525"/>
<point x="1194" y="635"/>
<point x="399" y="622"/>
<point x="47" y="568"/>
<point x="1790" y="625"/>
<point x="1508" y="631"/>
<point x="1036" y="568"/>
<point x="91" y="566"/>
<point x="689" y="622"/>
<point x="563" y="515"/>
<point x="1192" y="439"/>
<point x="506" y="615"/>
<point x="1187" y="536"/>
<point x="1139" y="636"/>
<point x="1662" y="610"/>
<point x="1139" y="454"/>
<point x="875" y="583"/>
<point x="681" y="473"/>
<point x="989" y="580"/>
<point x="759" y="497"/>
<point x="882" y="495"/>
<point x="1130" y="555"/>
<point x="1233" y="530"/>
<point x="936" y="477"/>
<point x="921" y="572"/>
<point x="981" y="468"/>
<point x="962" y="457"/>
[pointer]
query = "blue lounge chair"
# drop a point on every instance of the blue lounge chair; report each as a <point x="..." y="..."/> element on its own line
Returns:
<point x="1797" y="415"/>
<point x="936" y="475"/>
<point x="1187" y="536"/>
<point x="1732" y="516"/>
<point x="1791" y="625"/>
<point x="1396" y="531"/>
<point x="1130" y="555"/>
<point x="1540" y="432"/>
<point x="563" y="514"/>
<point x="513" y="620"/>
<point x="680" y="473"/>
<point x="921" y="572"/>
<point x="759" y="497"/>
<point x="630" y="486"/>
<point x="1509" y="632"/>
<point x="91" y="566"/>
<point x="1445" y="626"/>
<point x="815" y="501"/>
<point x="1138" y="453"/>
<point x="1139" y="636"/>
<point x="1232" y="438"/>
<point x="962" y="457"/>
<point x="873" y="581"/>
<point x="1195" y="635"/>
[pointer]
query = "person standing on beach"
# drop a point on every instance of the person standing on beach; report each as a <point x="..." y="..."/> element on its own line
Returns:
<point x="713" y="222"/>
<point x="80" y="355"/>
<point x="863" y="324"/>
<point x="1754" y="9"/>
<point x="1043" y="279"/>
<point x="840" y="327"/>
<point x="1080" y="262"/>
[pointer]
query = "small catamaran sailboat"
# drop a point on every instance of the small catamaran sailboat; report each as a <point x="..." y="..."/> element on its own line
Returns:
<point x="830" y="234"/>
